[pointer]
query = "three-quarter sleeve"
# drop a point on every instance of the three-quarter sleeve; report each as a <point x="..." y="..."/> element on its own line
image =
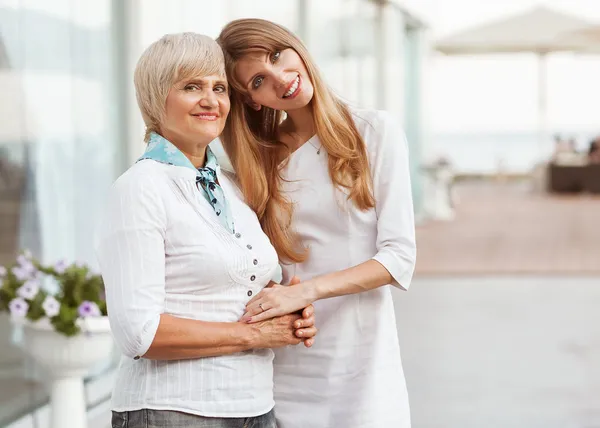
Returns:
<point x="130" y="247"/>
<point x="396" y="247"/>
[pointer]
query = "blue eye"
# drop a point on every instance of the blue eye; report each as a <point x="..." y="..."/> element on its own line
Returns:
<point x="257" y="82"/>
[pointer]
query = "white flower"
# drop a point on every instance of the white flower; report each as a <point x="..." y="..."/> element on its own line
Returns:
<point x="20" y="273"/>
<point x="51" y="306"/>
<point x="18" y="307"/>
<point x="25" y="263"/>
<point x="2" y="271"/>
<point x="29" y="290"/>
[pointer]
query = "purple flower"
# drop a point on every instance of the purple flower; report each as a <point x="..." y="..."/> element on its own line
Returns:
<point x="60" y="267"/>
<point x="88" y="309"/>
<point x="18" y="307"/>
<point x="51" y="307"/>
<point x="20" y="273"/>
<point x="29" y="290"/>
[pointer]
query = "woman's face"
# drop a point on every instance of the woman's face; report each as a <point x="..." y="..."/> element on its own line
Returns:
<point x="196" y="110"/>
<point x="277" y="80"/>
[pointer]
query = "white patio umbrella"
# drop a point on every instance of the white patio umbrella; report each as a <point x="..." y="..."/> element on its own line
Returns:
<point x="539" y="31"/>
<point x="587" y="39"/>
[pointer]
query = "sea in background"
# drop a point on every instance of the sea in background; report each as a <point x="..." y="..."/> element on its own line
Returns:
<point x="509" y="152"/>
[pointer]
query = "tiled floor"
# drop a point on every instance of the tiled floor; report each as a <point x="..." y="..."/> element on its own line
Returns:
<point x="18" y="396"/>
<point x="506" y="229"/>
<point x="502" y="352"/>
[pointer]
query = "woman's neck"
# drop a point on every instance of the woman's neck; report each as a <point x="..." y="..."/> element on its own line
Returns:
<point x="198" y="158"/>
<point x="299" y="126"/>
<point x="193" y="150"/>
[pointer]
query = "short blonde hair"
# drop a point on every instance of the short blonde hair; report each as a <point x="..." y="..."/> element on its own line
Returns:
<point x="172" y="58"/>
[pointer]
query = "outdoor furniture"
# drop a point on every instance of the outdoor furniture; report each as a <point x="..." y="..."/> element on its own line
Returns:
<point x="573" y="179"/>
<point x="591" y="178"/>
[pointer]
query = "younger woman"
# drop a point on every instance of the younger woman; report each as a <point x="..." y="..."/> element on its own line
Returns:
<point x="331" y="188"/>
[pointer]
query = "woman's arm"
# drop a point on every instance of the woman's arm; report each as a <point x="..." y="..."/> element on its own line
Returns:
<point x="396" y="249"/>
<point x="178" y="339"/>
<point x="131" y="253"/>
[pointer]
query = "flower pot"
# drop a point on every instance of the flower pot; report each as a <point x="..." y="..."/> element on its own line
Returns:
<point x="65" y="361"/>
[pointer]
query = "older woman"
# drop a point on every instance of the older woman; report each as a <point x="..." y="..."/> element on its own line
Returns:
<point x="181" y="254"/>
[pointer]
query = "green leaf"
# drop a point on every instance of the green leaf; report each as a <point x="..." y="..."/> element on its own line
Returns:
<point x="36" y="311"/>
<point x="65" y="321"/>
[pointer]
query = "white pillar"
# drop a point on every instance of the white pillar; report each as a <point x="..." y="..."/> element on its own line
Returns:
<point x="389" y="28"/>
<point x="67" y="401"/>
<point x="132" y="48"/>
<point x="303" y="23"/>
<point x="542" y="105"/>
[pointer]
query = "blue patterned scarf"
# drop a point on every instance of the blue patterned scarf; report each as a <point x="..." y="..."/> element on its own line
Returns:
<point x="162" y="150"/>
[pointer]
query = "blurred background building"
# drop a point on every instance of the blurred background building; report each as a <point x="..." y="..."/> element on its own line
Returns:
<point x="500" y="328"/>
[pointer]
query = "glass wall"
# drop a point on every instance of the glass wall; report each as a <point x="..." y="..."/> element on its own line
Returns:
<point x="58" y="150"/>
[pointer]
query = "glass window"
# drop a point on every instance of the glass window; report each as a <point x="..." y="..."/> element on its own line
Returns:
<point x="58" y="150"/>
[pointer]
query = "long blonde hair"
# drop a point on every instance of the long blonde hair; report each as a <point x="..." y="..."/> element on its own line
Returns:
<point x="250" y="137"/>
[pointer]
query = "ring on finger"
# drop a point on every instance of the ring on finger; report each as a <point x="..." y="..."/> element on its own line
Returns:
<point x="261" y="307"/>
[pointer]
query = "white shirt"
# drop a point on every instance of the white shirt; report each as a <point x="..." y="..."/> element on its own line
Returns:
<point x="352" y="377"/>
<point x="161" y="249"/>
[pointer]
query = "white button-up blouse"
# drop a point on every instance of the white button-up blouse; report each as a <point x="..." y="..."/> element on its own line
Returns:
<point x="162" y="249"/>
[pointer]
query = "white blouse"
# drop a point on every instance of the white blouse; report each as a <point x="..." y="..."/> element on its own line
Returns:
<point x="161" y="249"/>
<point x="352" y="377"/>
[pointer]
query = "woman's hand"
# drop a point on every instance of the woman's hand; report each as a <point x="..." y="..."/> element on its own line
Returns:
<point x="305" y="326"/>
<point x="277" y="332"/>
<point x="277" y="300"/>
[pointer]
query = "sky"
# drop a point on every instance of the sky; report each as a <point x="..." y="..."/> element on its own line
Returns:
<point x="495" y="93"/>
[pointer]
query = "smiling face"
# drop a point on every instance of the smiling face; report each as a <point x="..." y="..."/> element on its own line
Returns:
<point x="278" y="80"/>
<point x="196" y="110"/>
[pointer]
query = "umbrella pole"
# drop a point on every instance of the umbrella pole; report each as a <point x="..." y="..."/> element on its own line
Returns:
<point x="542" y="105"/>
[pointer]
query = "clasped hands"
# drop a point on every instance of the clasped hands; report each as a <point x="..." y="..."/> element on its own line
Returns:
<point x="277" y="300"/>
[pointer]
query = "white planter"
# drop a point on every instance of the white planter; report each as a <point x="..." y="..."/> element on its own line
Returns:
<point x="65" y="361"/>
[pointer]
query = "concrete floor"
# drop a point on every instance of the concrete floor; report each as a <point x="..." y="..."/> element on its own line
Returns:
<point x="502" y="353"/>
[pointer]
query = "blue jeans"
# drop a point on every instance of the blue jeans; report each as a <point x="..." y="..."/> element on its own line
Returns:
<point x="148" y="418"/>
